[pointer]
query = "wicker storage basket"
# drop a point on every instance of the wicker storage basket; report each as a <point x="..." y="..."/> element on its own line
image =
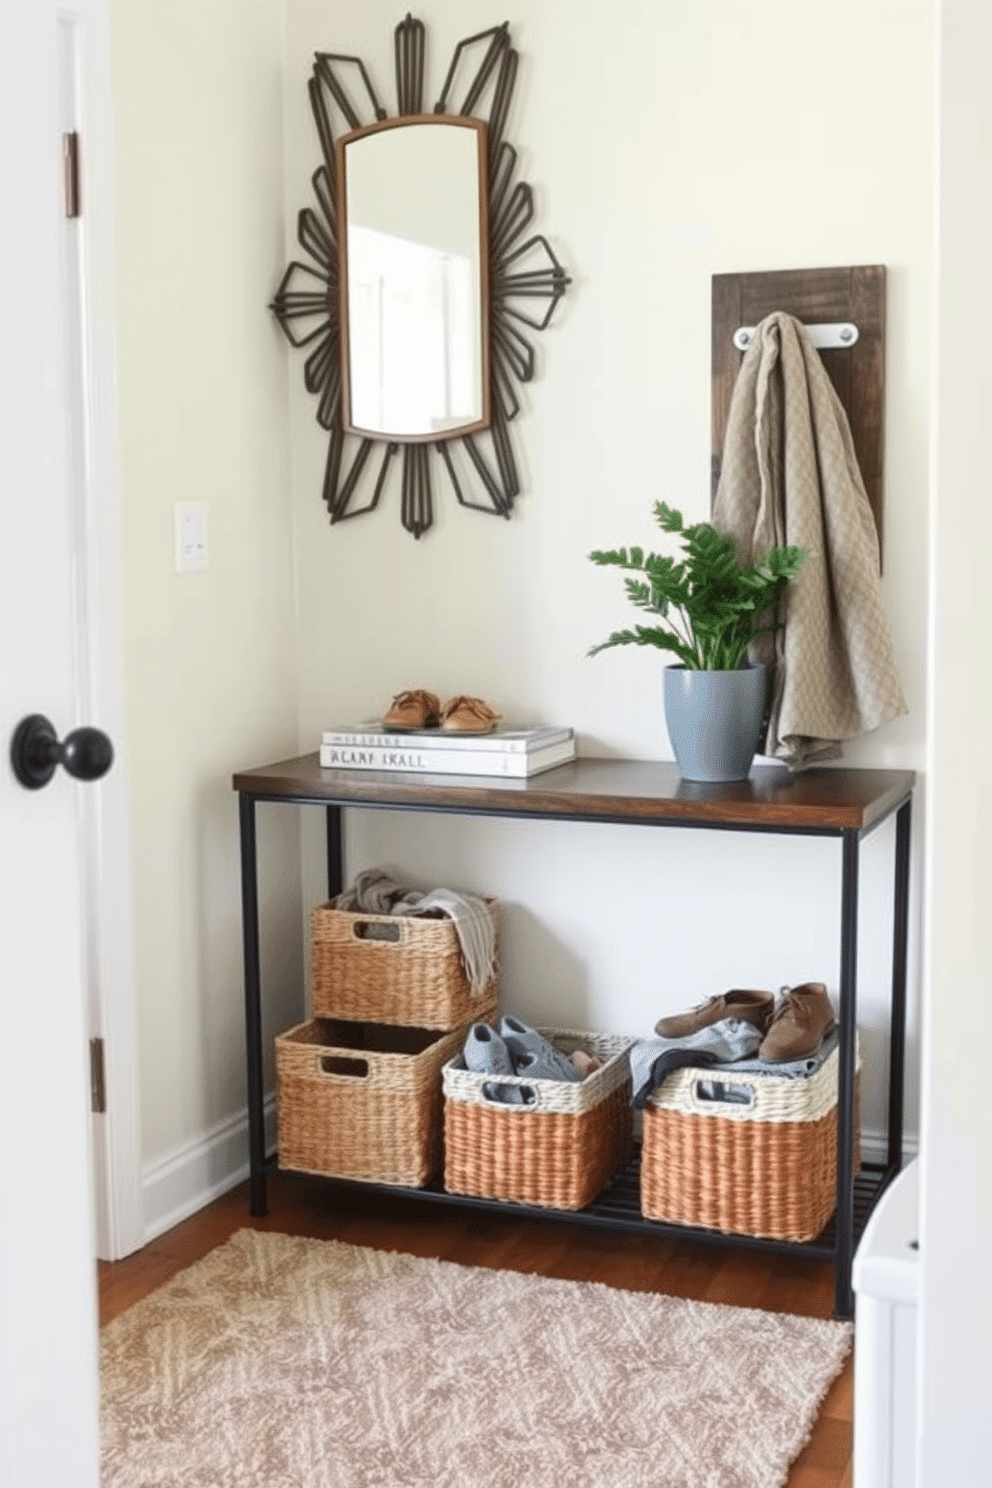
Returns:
<point x="765" y="1167"/>
<point x="400" y="969"/>
<point x="557" y="1152"/>
<point x="362" y="1100"/>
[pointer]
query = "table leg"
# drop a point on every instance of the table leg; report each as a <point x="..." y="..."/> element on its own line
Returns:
<point x="253" y="1005"/>
<point x="335" y="852"/>
<point x="900" y="941"/>
<point x="844" y="1254"/>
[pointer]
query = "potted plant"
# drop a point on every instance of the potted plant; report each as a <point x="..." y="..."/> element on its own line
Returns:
<point x="713" y="607"/>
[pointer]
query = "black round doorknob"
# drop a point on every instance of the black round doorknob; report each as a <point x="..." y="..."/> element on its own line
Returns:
<point x="35" y="751"/>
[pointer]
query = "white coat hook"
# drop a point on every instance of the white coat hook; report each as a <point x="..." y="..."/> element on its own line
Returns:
<point x="823" y="337"/>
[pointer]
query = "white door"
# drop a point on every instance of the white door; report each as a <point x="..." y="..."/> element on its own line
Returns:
<point x="48" y="1376"/>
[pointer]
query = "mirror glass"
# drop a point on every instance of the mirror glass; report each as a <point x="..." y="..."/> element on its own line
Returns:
<point x="414" y="312"/>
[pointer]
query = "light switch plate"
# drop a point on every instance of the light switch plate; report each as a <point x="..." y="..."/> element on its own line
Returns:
<point x="190" y="535"/>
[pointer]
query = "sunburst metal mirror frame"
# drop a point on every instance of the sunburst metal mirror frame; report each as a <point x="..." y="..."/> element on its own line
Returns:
<point x="522" y="269"/>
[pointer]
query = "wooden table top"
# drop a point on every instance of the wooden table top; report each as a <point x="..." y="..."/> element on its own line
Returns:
<point x="772" y="798"/>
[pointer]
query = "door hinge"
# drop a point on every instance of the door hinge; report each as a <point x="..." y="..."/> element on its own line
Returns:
<point x="98" y="1088"/>
<point x="70" y="166"/>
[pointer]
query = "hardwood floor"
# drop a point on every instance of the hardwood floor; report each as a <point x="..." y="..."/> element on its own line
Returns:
<point x="301" y="1206"/>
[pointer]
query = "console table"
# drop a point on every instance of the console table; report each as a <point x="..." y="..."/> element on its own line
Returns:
<point x="840" y="803"/>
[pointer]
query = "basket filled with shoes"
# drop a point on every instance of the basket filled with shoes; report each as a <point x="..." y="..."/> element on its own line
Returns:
<point x="740" y="1114"/>
<point x="536" y="1116"/>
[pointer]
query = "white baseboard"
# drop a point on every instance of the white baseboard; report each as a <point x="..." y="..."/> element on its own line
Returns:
<point x="192" y="1176"/>
<point x="875" y="1147"/>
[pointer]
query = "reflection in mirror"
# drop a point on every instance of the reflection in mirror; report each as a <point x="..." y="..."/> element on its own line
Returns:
<point x="413" y="312"/>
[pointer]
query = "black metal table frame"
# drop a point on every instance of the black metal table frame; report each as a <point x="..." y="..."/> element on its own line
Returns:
<point x="839" y="1240"/>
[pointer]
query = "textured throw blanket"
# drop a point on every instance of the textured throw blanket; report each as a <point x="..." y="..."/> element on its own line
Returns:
<point x="790" y="475"/>
<point x="377" y="892"/>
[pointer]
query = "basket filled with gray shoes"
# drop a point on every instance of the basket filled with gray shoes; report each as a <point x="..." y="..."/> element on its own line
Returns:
<point x="740" y="1114"/>
<point x="536" y="1116"/>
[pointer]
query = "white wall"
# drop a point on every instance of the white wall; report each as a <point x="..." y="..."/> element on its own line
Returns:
<point x="666" y="142"/>
<point x="956" y="1196"/>
<point x="211" y="658"/>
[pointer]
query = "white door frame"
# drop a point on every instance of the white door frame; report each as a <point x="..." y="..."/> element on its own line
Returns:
<point x="105" y="816"/>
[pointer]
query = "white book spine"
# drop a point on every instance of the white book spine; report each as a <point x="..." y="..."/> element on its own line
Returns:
<point x="413" y="759"/>
<point x="521" y="743"/>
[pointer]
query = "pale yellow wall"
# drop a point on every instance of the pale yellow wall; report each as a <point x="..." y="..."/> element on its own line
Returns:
<point x="666" y="141"/>
<point x="211" y="659"/>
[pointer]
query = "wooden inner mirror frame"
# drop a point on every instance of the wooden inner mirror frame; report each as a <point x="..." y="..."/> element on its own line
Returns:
<point x="414" y="278"/>
<point x="814" y="296"/>
<point x="521" y="285"/>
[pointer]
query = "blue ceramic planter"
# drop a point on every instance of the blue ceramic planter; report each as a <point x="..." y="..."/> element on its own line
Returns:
<point x="714" y="720"/>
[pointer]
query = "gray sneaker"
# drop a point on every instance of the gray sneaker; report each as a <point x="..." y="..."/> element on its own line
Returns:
<point x="485" y="1052"/>
<point x="533" y="1055"/>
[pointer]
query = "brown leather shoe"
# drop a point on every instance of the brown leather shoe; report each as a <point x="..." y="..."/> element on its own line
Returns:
<point x="416" y="709"/>
<point x="802" y="1021"/>
<point x="746" y="1007"/>
<point x="468" y="715"/>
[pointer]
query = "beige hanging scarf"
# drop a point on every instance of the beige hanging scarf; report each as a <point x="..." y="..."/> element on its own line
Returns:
<point x="790" y="475"/>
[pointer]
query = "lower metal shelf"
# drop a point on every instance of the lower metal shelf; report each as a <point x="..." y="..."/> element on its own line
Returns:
<point x="617" y="1208"/>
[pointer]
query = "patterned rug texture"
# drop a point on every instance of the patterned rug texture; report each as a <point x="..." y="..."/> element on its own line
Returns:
<point x="280" y="1362"/>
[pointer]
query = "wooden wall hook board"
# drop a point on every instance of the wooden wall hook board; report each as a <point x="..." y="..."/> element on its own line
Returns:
<point x="857" y="370"/>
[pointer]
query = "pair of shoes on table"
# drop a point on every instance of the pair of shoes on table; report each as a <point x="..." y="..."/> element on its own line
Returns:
<point x="793" y="1027"/>
<point x="420" y="709"/>
<point x="518" y="1050"/>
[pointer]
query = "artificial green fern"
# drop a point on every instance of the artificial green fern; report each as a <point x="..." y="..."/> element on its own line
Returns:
<point x="714" y="606"/>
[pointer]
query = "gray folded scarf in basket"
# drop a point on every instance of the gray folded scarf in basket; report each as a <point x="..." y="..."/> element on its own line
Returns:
<point x="377" y="892"/>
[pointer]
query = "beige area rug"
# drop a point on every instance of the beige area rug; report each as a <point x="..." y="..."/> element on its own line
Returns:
<point x="279" y="1361"/>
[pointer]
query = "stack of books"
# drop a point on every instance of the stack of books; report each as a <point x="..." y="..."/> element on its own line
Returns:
<point x="514" y="752"/>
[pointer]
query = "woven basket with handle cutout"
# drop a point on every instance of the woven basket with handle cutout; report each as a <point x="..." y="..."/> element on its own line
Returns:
<point x="362" y="1101"/>
<point x="402" y="969"/>
<point x="559" y="1150"/>
<point x="746" y="1153"/>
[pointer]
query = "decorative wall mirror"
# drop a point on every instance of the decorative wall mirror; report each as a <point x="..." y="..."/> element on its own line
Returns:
<point x="414" y="278"/>
<point x="420" y="281"/>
